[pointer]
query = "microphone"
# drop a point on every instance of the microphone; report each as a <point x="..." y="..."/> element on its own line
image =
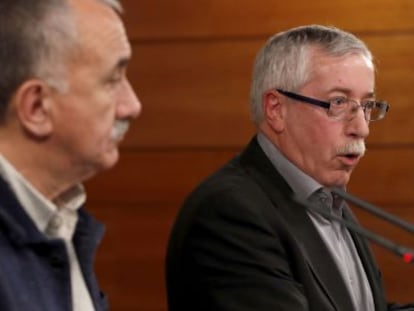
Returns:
<point x="404" y="252"/>
<point x="374" y="210"/>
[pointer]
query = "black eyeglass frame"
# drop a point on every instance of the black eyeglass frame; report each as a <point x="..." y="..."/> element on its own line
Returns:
<point x="327" y="105"/>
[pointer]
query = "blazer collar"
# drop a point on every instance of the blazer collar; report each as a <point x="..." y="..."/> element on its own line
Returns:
<point x="320" y="261"/>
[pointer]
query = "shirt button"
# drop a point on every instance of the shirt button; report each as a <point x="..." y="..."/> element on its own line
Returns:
<point x="55" y="223"/>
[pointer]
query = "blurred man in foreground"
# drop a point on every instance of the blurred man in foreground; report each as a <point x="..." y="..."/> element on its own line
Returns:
<point x="65" y="104"/>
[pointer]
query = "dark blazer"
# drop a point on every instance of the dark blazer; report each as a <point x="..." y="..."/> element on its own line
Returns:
<point x="241" y="243"/>
<point x="34" y="270"/>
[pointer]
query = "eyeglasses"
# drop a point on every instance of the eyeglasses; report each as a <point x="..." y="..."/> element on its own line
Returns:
<point x="342" y="108"/>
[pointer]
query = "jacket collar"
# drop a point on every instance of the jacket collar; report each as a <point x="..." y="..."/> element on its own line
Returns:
<point x="15" y="222"/>
<point x="320" y="262"/>
<point x="22" y="232"/>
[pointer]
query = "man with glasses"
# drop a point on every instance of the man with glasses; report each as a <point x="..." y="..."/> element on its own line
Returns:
<point x="241" y="242"/>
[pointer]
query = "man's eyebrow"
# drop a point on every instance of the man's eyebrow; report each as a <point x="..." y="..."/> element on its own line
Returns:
<point x="122" y="63"/>
<point x="119" y="66"/>
<point x="348" y="91"/>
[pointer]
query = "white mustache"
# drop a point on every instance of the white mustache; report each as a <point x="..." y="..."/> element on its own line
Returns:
<point x="355" y="147"/>
<point x="119" y="129"/>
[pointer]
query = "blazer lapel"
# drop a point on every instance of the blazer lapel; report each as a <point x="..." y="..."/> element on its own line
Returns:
<point x="314" y="249"/>
<point x="320" y="260"/>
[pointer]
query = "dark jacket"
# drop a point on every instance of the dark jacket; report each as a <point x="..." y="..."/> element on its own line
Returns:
<point x="34" y="270"/>
<point x="241" y="243"/>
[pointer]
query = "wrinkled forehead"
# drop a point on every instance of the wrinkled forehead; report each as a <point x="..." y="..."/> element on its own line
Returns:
<point x="99" y="27"/>
<point x="101" y="46"/>
<point x="317" y="54"/>
<point x="90" y="12"/>
<point x="318" y="62"/>
<point x="351" y="74"/>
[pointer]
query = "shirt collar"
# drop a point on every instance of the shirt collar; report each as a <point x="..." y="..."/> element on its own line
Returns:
<point x="40" y="209"/>
<point x="302" y="184"/>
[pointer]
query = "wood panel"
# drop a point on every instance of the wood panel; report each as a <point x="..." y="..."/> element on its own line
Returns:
<point x="191" y="68"/>
<point x="130" y="261"/>
<point x="154" y="177"/>
<point x="193" y="94"/>
<point x="384" y="176"/>
<point x="165" y="19"/>
<point x="196" y="94"/>
<point x="396" y="273"/>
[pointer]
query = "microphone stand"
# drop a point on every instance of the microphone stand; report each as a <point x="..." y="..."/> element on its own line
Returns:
<point x="374" y="210"/>
<point x="405" y="253"/>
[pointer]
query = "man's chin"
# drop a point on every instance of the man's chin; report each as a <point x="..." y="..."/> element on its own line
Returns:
<point x="110" y="159"/>
<point x="103" y="163"/>
<point x="341" y="181"/>
<point x="338" y="178"/>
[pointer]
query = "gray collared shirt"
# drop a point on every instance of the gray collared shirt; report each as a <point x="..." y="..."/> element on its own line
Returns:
<point x="335" y="235"/>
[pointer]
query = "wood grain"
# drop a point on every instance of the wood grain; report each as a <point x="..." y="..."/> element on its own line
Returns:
<point x="197" y="94"/>
<point x="161" y="19"/>
<point x="384" y="176"/>
<point x="191" y="68"/>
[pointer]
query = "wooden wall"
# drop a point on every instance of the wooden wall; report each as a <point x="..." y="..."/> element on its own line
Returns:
<point x="191" y="69"/>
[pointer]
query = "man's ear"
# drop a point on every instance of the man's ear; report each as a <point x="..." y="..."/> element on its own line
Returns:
<point x="273" y="111"/>
<point x="32" y="103"/>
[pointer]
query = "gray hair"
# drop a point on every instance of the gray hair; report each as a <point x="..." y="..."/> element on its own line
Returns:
<point x="284" y="61"/>
<point x="36" y="39"/>
<point x="114" y="4"/>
